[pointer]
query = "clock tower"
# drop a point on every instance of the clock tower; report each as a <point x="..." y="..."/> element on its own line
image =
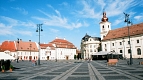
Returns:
<point x="105" y="26"/>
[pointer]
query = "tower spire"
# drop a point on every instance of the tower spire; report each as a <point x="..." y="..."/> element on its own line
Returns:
<point x="104" y="18"/>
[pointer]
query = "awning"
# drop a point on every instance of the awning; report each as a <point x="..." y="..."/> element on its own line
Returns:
<point x="6" y="56"/>
<point x="106" y="52"/>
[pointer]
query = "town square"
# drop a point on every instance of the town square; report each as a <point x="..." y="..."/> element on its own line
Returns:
<point x="71" y="40"/>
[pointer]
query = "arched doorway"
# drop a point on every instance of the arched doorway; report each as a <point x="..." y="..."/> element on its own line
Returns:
<point x="67" y="57"/>
<point x="47" y="57"/>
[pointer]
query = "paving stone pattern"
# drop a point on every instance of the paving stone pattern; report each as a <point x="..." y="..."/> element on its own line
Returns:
<point x="74" y="70"/>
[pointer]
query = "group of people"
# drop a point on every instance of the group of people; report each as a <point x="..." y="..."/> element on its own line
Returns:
<point x="34" y="63"/>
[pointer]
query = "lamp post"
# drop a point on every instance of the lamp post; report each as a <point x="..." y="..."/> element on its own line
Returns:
<point x="124" y="48"/>
<point x="17" y="49"/>
<point x="30" y="52"/>
<point x="129" y="22"/>
<point x="39" y="29"/>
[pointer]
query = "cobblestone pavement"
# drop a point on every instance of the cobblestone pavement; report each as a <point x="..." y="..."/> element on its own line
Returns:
<point x="74" y="70"/>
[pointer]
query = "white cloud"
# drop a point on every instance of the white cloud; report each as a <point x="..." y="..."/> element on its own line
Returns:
<point x="54" y="30"/>
<point x="8" y="28"/>
<point x="138" y="17"/>
<point x="21" y="10"/>
<point x="58" y="21"/>
<point x="10" y="21"/>
<point x="117" y="21"/>
<point x="64" y="3"/>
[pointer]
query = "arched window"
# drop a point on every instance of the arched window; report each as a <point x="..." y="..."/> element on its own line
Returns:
<point x="129" y="51"/>
<point x="103" y="26"/>
<point x="121" y="51"/>
<point x="108" y="26"/>
<point x="138" y="51"/>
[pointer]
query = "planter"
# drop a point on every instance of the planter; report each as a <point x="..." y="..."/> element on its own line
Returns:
<point x="3" y="68"/>
<point x="2" y="71"/>
<point x="10" y="69"/>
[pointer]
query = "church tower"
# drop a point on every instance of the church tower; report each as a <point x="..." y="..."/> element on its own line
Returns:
<point x="105" y="26"/>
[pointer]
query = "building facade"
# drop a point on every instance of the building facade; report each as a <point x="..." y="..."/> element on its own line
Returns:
<point x="118" y="39"/>
<point x="58" y="49"/>
<point x="89" y="45"/>
<point x="21" y="50"/>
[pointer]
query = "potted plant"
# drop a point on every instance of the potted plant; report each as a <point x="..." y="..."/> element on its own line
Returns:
<point x="3" y="68"/>
<point x="10" y="68"/>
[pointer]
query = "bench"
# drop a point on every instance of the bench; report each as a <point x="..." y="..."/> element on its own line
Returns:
<point x="112" y="62"/>
<point x="141" y="62"/>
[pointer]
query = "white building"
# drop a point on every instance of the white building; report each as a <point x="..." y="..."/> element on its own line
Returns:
<point x="89" y="45"/>
<point x="20" y="49"/>
<point x="58" y="49"/>
<point x="118" y="40"/>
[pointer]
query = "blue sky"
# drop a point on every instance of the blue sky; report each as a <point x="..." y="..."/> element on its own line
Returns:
<point x="69" y="19"/>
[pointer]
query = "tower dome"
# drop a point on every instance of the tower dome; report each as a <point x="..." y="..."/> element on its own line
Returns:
<point x="104" y="19"/>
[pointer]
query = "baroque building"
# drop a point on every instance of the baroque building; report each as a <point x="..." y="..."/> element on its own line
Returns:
<point x="118" y="39"/>
<point x="89" y="45"/>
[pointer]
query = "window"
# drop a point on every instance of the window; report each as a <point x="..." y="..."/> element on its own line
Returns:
<point x="121" y="51"/>
<point x="90" y="50"/>
<point x="105" y="45"/>
<point x="112" y="44"/>
<point x="138" y="51"/>
<point x="120" y="43"/>
<point x="137" y="41"/>
<point x="94" y="50"/>
<point x="128" y="42"/>
<point x="90" y="46"/>
<point x="129" y="51"/>
<point x="103" y="26"/>
<point x="108" y="26"/>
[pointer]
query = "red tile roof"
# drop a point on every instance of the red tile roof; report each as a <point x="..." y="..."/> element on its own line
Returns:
<point x="44" y="46"/>
<point x="62" y="43"/>
<point x="136" y="29"/>
<point x="8" y="45"/>
<point x="26" y="46"/>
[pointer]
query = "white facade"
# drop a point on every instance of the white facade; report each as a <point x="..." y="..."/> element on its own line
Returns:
<point x="57" y="53"/>
<point x="65" y="53"/>
<point x="89" y="46"/>
<point x="104" y="28"/>
<point x="121" y="45"/>
<point x="117" y="40"/>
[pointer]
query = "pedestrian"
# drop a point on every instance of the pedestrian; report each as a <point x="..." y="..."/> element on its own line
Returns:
<point x="35" y="62"/>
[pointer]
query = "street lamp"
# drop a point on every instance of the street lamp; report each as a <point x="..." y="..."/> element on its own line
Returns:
<point x="30" y="52"/>
<point x="124" y="48"/>
<point x="17" y="49"/>
<point x="39" y="29"/>
<point x="129" y="22"/>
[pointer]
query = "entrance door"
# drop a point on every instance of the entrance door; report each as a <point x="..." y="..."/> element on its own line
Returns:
<point x="67" y="57"/>
<point x="30" y="57"/>
<point x="47" y="57"/>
